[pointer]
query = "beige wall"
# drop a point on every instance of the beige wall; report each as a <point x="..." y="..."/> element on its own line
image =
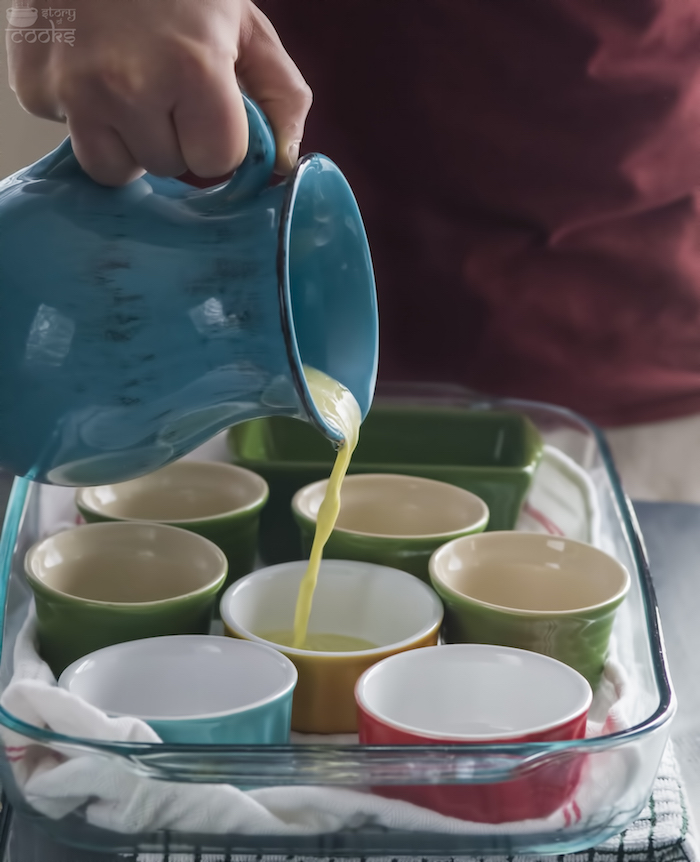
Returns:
<point x="23" y="139"/>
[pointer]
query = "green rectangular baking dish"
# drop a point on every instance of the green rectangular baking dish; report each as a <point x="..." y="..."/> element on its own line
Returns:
<point x="490" y="453"/>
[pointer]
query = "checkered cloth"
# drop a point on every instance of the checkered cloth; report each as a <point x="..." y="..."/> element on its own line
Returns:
<point x="663" y="832"/>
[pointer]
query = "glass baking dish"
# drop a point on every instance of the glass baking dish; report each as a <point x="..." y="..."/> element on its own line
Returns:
<point x="625" y="761"/>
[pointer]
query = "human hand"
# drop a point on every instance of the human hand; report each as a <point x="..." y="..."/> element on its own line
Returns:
<point x="152" y="85"/>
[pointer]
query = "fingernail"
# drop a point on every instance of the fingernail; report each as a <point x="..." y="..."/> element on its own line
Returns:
<point x="293" y="152"/>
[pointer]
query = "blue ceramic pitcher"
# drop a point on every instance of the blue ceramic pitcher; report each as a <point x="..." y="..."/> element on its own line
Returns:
<point x="136" y="323"/>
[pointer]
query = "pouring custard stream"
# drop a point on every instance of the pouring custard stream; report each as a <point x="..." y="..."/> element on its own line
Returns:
<point x="338" y="406"/>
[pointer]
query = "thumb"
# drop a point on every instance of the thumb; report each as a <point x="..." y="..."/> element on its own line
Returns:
<point x="270" y="77"/>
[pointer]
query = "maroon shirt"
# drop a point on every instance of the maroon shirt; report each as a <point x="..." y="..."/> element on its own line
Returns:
<point x="527" y="172"/>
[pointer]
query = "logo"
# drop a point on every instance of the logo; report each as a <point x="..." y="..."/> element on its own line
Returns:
<point x="22" y="17"/>
<point x="22" y="20"/>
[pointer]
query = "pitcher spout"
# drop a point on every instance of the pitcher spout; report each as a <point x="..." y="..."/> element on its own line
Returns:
<point x="326" y="282"/>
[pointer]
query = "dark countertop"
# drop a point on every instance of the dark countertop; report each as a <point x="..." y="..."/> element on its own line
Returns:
<point x="672" y="536"/>
<point x="5" y="485"/>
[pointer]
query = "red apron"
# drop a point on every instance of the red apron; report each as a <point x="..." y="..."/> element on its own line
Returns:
<point x="527" y="173"/>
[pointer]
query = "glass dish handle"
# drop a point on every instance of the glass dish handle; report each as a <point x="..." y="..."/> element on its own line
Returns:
<point x="8" y="539"/>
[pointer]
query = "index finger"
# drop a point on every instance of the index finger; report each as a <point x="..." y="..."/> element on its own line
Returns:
<point x="271" y="78"/>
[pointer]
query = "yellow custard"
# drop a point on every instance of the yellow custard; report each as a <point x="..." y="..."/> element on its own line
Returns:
<point x="338" y="406"/>
<point x="319" y="641"/>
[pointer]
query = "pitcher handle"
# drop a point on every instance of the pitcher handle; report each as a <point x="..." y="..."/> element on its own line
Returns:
<point x="255" y="172"/>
